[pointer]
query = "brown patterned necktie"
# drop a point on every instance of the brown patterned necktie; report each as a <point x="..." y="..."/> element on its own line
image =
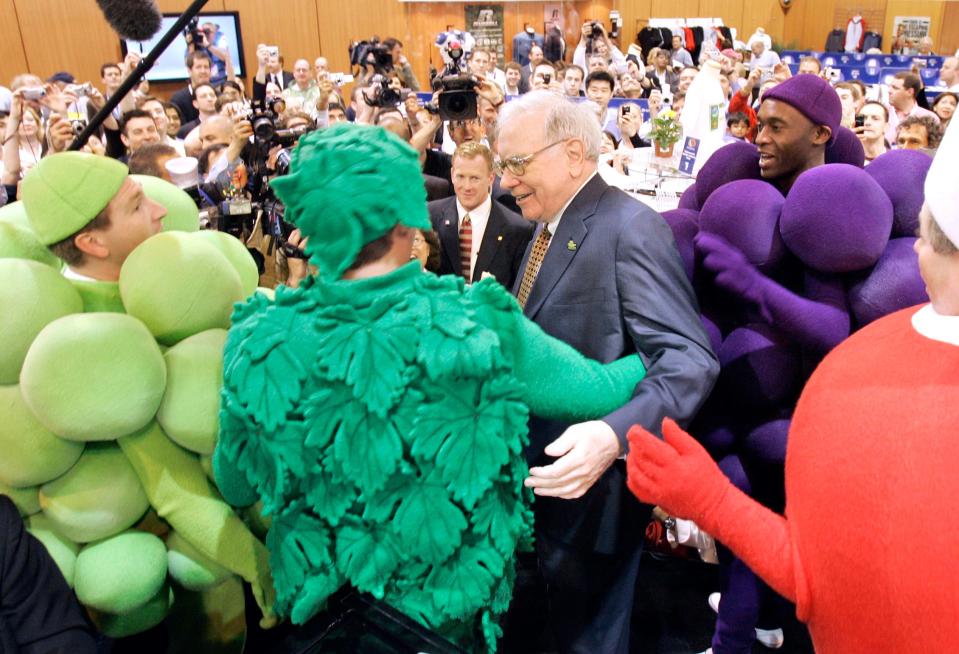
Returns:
<point x="532" y="265"/>
<point x="466" y="247"/>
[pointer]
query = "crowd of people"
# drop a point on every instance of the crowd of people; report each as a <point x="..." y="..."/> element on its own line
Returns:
<point x="510" y="199"/>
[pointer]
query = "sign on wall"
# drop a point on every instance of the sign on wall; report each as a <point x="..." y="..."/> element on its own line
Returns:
<point x="485" y="23"/>
<point x="908" y="30"/>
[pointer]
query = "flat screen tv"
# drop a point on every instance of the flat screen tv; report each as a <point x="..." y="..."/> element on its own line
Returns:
<point x="171" y="65"/>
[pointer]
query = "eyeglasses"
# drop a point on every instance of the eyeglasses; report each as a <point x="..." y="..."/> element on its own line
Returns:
<point x="517" y="164"/>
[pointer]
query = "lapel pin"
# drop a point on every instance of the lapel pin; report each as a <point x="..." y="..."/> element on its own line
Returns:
<point x="571" y="245"/>
<point x="447" y="222"/>
<point x="499" y="238"/>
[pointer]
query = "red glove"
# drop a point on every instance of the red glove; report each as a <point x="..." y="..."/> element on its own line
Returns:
<point x="675" y="473"/>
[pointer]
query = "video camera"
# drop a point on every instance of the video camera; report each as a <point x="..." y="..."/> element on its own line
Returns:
<point x="193" y="34"/>
<point x="457" y="99"/>
<point x="381" y="94"/>
<point x="596" y="32"/>
<point x="372" y="52"/>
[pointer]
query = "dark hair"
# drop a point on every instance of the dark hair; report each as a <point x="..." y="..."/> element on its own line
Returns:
<point x="433" y="258"/>
<point x="203" y="159"/>
<point x="600" y="76"/>
<point x="197" y="54"/>
<point x="391" y="43"/>
<point x="130" y="115"/>
<point x="335" y="105"/>
<point x="512" y="65"/>
<point x="885" y="110"/>
<point x="232" y="85"/>
<point x="373" y="251"/>
<point x="736" y="117"/>
<point x="169" y="105"/>
<point x="200" y="86"/>
<point x="955" y="96"/>
<point x="108" y="65"/>
<point x="910" y="81"/>
<point x="68" y="251"/>
<point x="146" y="160"/>
<point x="933" y="129"/>
<point x="612" y="137"/>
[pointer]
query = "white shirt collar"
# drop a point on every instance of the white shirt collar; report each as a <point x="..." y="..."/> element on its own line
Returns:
<point x="70" y="273"/>
<point x="478" y="216"/>
<point x="551" y="225"/>
<point x="935" y="326"/>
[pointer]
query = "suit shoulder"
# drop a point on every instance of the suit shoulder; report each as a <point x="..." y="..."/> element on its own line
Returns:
<point x="513" y="219"/>
<point x="622" y="207"/>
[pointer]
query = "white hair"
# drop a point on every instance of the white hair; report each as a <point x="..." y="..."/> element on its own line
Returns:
<point x="563" y="119"/>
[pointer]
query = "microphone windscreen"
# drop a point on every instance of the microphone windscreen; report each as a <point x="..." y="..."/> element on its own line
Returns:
<point x="134" y="20"/>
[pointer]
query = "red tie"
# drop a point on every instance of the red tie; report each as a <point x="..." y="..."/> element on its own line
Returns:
<point x="466" y="247"/>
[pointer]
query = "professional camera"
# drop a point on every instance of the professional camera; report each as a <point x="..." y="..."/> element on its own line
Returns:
<point x="263" y="116"/>
<point x="596" y="30"/>
<point x="457" y="99"/>
<point x="381" y="94"/>
<point x="372" y="52"/>
<point x="193" y="34"/>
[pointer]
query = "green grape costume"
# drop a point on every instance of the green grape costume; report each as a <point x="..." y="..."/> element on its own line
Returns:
<point x="382" y="421"/>
<point x="109" y="393"/>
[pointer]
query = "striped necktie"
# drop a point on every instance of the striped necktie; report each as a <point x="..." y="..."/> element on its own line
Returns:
<point x="532" y="266"/>
<point x="466" y="247"/>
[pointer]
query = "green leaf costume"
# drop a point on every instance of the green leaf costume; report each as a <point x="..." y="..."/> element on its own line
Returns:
<point x="382" y="421"/>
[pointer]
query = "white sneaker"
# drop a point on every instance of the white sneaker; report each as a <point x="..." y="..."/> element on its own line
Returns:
<point x="713" y="600"/>
<point x="770" y="638"/>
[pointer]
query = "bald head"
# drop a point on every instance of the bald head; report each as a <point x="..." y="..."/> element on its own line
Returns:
<point x="949" y="72"/>
<point x="216" y="129"/>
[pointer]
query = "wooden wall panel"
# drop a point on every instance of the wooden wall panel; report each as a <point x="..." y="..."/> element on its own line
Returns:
<point x="763" y="13"/>
<point x="731" y="11"/>
<point x="949" y="34"/>
<point x="13" y="56"/>
<point x="291" y="24"/>
<point x="635" y="13"/>
<point x="674" y="8"/>
<point x="935" y="9"/>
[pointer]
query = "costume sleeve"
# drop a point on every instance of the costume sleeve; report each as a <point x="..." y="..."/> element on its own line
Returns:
<point x="661" y="316"/>
<point x="37" y="608"/>
<point x="817" y="321"/>
<point x="179" y="491"/>
<point x="560" y="382"/>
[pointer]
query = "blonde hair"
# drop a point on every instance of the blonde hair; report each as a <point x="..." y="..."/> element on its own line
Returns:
<point x="473" y="149"/>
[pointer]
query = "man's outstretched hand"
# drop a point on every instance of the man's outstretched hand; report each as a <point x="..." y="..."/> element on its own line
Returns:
<point x="675" y="473"/>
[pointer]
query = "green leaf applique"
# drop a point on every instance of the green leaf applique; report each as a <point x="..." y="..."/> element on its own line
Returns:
<point x="463" y="584"/>
<point x="370" y="355"/>
<point x="428" y="523"/>
<point x="367" y="556"/>
<point x="367" y="453"/>
<point x="499" y="517"/>
<point x="298" y="544"/>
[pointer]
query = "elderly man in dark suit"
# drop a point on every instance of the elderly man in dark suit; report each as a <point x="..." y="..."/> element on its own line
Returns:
<point x="603" y="274"/>
<point x="479" y="237"/>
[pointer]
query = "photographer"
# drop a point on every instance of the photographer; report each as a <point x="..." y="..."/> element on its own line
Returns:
<point x="593" y="40"/>
<point x="871" y="129"/>
<point x="209" y="40"/>
<point x="308" y="95"/>
<point x="401" y="64"/>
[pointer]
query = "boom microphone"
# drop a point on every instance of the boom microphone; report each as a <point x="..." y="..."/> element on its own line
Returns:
<point x="133" y="20"/>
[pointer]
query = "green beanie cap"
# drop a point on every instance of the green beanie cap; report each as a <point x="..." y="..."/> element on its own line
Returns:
<point x="349" y="185"/>
<point x="181" y="212"/>
<point x="65" y="191"/>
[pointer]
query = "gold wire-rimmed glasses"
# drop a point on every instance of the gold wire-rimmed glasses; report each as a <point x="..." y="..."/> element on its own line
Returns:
<point x="517" y="164"/>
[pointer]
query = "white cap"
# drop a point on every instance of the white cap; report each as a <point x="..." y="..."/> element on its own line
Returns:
<point x="942" y="192"/>
<point x="184" y="171"/>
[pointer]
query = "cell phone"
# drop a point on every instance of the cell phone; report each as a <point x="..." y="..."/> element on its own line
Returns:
<point x="274" y="50"/>
<point x="341" y="78"/>
<point x="860" y="120"/>
<point x="626" y="109"/>
<point x="547" y="77"/>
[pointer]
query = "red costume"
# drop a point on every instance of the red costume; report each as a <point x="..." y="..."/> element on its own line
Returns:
<point x="866" y="549"/>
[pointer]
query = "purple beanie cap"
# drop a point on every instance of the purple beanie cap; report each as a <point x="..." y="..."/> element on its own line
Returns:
<point x="813" y="97"/>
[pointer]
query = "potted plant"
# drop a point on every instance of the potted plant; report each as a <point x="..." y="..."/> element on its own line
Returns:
<point x="665" y="132"/>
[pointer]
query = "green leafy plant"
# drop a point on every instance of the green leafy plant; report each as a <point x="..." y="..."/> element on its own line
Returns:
<point x="666" y="129"/>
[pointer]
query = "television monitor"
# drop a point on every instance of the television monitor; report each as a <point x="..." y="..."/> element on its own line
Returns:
<point x="171" y="65"/>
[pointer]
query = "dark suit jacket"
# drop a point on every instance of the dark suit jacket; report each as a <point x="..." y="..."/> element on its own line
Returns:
<point x="38" y="611"/>
<point x="287" y="78"/>
<point x="501" y="250"/>
<point x="611" y="284"/>
<point x="183" y="99"/>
